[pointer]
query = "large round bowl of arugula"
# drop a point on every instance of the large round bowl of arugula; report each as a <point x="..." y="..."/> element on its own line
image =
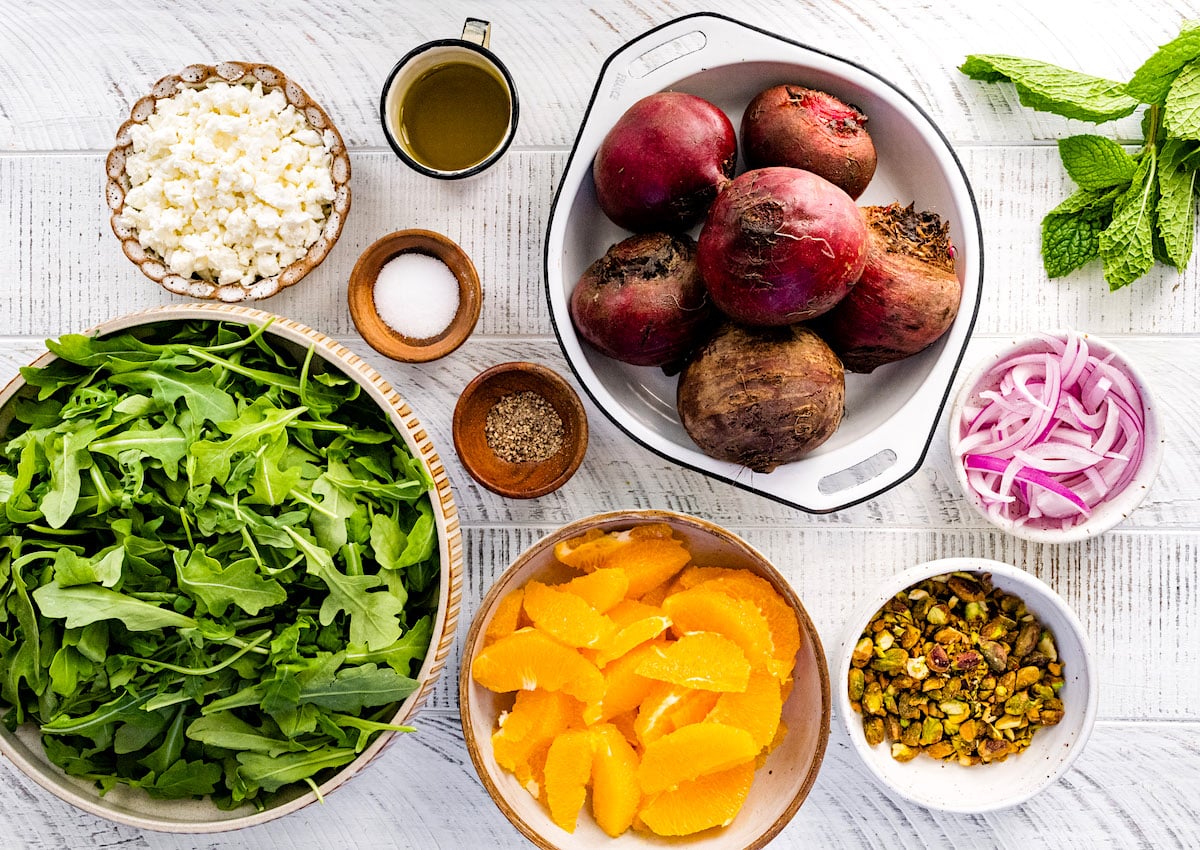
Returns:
<point x="230" y="567"/>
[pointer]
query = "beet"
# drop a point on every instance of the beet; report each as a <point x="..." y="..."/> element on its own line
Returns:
<point x="644" y="302"/>
<point x="661" y="164"/>
<point x="813" y="130"/>
<point x="781" y="245"/>
<point x="908" y="294"/>
<point x="760" y="397"/>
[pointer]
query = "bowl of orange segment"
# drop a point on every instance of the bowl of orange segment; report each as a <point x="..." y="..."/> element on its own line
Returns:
<point x="641" y="675"/>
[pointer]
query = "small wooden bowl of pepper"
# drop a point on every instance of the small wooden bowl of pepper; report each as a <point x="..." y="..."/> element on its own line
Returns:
<point x="520" y="430"/>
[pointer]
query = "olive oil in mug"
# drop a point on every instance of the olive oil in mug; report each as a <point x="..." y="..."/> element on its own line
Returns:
<point x="454" y="116"/>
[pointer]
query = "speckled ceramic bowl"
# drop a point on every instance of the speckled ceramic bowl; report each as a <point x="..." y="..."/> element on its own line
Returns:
<point x="118" y="184"/>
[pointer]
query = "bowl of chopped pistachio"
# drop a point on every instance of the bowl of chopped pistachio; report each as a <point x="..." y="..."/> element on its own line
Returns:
<point x="966" y="685"/>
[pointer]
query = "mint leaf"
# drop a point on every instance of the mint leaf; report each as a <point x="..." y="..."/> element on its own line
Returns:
<point x="1095" y="162"/>
<point x="1127" y="245"/>
<point x="1069" y="241"/>
<point x="1181" y="110"/>
<point x="215" y="587"/>
<point x="1151" y="82"/>
<point x="1049" y="88"/>
<point x="1176" y="218"/>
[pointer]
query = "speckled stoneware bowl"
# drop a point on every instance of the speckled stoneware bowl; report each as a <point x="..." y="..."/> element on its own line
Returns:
<point x="781" y="784"/>
<point x="949" y="786"/>
<point x="117" y="182"/>
<point x="133" y="806"/>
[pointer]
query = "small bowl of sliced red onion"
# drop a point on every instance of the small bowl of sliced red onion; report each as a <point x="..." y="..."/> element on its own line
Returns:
<point x="1056" y="438"/>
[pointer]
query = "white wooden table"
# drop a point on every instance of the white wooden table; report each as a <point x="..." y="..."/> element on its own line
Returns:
<point x="69" y="70"/>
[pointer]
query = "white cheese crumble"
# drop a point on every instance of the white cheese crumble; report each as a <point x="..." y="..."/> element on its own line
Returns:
<point x="228" y="183"/>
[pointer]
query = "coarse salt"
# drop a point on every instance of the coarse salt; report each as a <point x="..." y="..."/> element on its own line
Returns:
<point x="416" y="295"/>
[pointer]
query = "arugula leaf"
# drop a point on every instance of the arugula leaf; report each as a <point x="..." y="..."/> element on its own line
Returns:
<point x="356" y="688"/>
<point x="1095" y="162"/>
<point x="1176" y="218"/>
<point x="422" y="538"/>
<point x="1181" y="109"/>
<point x="273" y="772"/>
<point x="260" y="421"/>
<point x="216" y="587"/>
<point x="1049" y="88"/>
<point x="167" y="444"/>
<point x="68" y="457"/>
<point x="1153" y="79"/>
<point x="198" y="390"/>
<point x="1127" y="245"/>
<point x="226" y="730"/>
<point x="102" y="568"/>
<point x="185" y="779"/>
<point x="88" y="603"/>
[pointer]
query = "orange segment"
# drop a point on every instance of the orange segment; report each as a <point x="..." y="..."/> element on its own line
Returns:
<point x="625" y="640"/>
<point x="702" y="660"/>
<point x="521" y="742"/>
<point x="602" y="589"/>
<point x="529" y="659"/>
<point x="631" y="610"/>
<point x="587" y="551"/>
<point x="785" y="629"/>
<point x="507" y="617"/>
<point x="757" y="709"/>
<point x="624" y="723"/>
<point x="568" y="771"/>
<point x="693" y="751"/>
<point x="565" y="616"/>
<point x="701" y="610"/>
<point x="698" y="804"/>
<point x="624" y="689"/>
<point x="670" y="707"/>
<point x="615" y="794"/>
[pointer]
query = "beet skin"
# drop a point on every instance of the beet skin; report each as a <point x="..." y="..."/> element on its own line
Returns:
<point x="908" y="294"/>
<point x="662" y="163"/>
<point x="780" y="246"/>
<point x="809" y="129"/>
<point x="760" y="397"/>
<point x="643" y="302"/>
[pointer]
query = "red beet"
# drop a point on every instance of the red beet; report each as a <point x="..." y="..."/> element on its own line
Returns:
<point x="804" y="128"/>
<point x="908" y="294"/>
<point x="661" y="164"/>
<point x="781" y="245"/>
<point x="760" y="397"/>
<point x="644" y="302"/>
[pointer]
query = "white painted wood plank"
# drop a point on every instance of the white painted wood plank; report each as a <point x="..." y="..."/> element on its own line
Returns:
<point x="423" y="793"/>
<point x="341" y="52"/>
<point x="62" y="270"/>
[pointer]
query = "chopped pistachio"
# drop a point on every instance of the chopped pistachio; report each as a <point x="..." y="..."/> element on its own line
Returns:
<point x="873" y="729"/>
<point x="995" y="654"/>
<point x="857" y="684"/>
<point x="864" y="650"/>
<point x="903" y="752"/>
<point x="931" y="731"/>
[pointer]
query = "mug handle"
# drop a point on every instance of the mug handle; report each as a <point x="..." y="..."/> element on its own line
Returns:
<point x="477" y="31"/>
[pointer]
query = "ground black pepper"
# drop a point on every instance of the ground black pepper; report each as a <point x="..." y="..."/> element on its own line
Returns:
<point x="523" y="427"/>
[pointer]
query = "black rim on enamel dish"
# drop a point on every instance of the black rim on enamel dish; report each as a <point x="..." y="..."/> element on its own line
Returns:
<point x="494" y="155"/>
<point x="558" y="332"/>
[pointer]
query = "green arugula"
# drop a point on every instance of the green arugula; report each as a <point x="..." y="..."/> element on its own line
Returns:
<point x="218" y="563"/>
<point x="1131" y="209"/>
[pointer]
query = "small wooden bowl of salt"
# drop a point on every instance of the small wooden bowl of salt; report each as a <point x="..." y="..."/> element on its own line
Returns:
<point x="520" y="430"/>
<point x="414" y="296"/>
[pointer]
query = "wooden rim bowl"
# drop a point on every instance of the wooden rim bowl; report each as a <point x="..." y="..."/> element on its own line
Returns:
<point x="117" y="183"/>
<point x="780" y="785"/>
<point x="23" y="748"/>
<point x="529" y="479"/>
<point x="381" y="336"/>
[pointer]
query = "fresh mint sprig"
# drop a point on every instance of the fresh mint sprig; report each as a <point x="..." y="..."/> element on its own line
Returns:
<point x="1130" y="209"/>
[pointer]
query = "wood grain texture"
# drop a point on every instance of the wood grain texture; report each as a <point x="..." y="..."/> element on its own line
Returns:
<point x="70" y="72"/>
<point x="341" y="51"/>
<point x="422" y="794"/>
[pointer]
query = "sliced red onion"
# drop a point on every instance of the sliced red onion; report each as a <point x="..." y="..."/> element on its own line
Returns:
<point x="1051" y="434"/>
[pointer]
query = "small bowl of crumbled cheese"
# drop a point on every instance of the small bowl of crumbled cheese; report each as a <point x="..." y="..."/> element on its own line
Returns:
<point x="227" y="182"/>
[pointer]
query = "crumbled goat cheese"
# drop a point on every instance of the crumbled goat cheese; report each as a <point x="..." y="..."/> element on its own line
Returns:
<point x="228" y="183"/>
